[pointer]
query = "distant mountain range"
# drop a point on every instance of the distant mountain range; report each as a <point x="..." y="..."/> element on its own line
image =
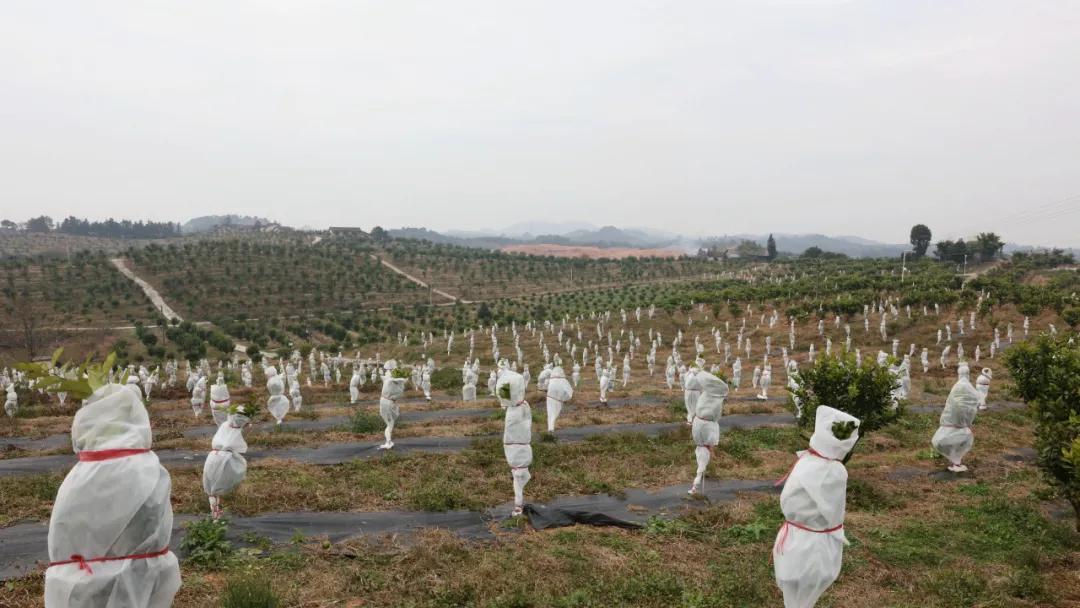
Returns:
<point x="611" y="236"/>
<point x="585" y="234"/>
<point x="520" y="234"/>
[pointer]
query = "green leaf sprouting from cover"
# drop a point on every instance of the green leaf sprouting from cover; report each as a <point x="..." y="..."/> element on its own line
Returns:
<point x="78" y="381"/>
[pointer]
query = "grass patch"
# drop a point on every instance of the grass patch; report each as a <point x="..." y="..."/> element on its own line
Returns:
<point x="249" y="591"/>
<point x="28" y="497"/>
<point x="440" y="493"/>
<point x="742" y="444"/>
<point x="1026" y="584"/>
<point x="912" y="430"/>
<point x="762" y="526"/>
<point x="958" y="588"/>
<point x="988" y="531"/>
<point x="677" y="407"/>
<point x="365" y="423"/>
<point x="864" y="496"/>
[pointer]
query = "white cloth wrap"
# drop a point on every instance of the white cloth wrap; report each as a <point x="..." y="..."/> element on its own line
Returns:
<point x="392" y="389"/>
<point x="708" y="407"/>
<point x="559" y="391"/>
<point x="982" y="384"/>
<point x="278" y="404"/>
<point x="954" y="436"/>
<point x="219" y="402"/>
<point x="112" y="508"/>
<point x="517" y="429"/>
<point x="542" y="379"/>
<point x="690" y="395"/>
<point x="814" y="496"/>
<point x="225" y="466"/>
<point x="354" y="390"/>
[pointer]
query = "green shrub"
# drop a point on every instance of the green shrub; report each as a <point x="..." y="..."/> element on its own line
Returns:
<point x="446" y="378"/>
<point x="206" y="545"/>
<point x="249" y="591"/>
<point x="1071" y="316"/>
<point x="365" y="423"/>
<point x="1046" y="374"/>
<point x="864" y="391"/>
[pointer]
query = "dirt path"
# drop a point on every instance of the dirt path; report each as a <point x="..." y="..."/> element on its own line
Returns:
<point x="418" y="281"/>
<point x="148" y="289"/>
<point x="155" y="297"/>
<point x="978" y="272"/>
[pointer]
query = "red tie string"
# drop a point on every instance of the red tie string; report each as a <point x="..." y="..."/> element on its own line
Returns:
<point x="84" y="564"/>
<point x="99" y="455"/>
<point x="810" y="451"/>
<point x="779" y="549"/>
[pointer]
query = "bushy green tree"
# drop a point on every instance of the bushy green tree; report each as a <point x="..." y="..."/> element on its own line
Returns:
<point x="42" y="223"/>
<point x="1071" y="316"/>
<point x="864" y="391"/>
<point x="920" y="239"/>
<point x="770" y="248"/>
<point x="988" y="245"/>
<point x="1046" y="374"/>
<point x="951" y="251"/>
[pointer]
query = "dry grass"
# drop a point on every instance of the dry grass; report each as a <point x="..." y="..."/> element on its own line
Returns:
<point x="916" y="541"/>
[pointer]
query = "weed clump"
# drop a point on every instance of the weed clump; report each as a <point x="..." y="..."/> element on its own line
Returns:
<point x="364" y="423"/>
<point x="206" y="544"/>
<point x="249" y="591"/>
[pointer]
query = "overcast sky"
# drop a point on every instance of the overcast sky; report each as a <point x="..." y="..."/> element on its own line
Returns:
<point x="694" y="116"/>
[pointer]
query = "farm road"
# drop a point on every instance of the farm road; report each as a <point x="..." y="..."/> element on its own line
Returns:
<point x="417" y="281"/>
<point x="148" y="289"/>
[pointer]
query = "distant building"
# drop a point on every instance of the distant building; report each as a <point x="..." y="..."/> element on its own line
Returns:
<point x="348" y="231"/>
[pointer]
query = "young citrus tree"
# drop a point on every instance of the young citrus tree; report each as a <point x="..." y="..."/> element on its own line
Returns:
<point x="1046" y="374"/>
<point x="864" y="391"/>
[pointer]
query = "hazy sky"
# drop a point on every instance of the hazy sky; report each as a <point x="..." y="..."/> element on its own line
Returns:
<point x="693" y="116"/>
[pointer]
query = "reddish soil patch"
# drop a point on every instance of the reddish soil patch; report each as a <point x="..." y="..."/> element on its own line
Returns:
<point x="582" y="251"/>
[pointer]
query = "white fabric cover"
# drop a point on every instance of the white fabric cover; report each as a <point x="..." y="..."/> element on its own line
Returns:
<point x="354" y="386"/>
<point x="198" y="395"/>
<point x="542" y="379"/>
<point x="112" y="508"/>
<point x="11" y="401"/>
<point x="708" y="407"/>
<point x="814" y="496"/>
<point x="690" y="394"/>
<point x="982" y="384"/>
<point x="954" y="436"/>
<point x="605" y="382"/>
<point x="296" y="396"/>
<point x="392" y="389"/>
<point x="278" y="404"/>
<point x="219" y="402"/>
<point x="517" y="429"/>
<point x="559" y="392"/>
<point x="225" y="466"/>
